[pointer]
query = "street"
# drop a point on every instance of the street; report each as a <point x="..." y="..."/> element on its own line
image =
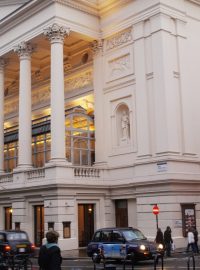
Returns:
<point x="179" y="262"/>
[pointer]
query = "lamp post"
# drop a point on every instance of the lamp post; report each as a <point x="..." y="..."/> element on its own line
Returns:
<point x="156" y="212"/>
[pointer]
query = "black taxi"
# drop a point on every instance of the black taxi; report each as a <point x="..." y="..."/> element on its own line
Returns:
<point x="15" y="242"/>
<point x="123" y="243"/>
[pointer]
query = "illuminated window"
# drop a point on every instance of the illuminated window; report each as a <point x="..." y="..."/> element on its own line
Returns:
<point x="80" y="141"/>
<point x="8" y="218"/>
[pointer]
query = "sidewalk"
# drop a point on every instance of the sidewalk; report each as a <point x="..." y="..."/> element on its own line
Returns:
<point x="82" y="254"/>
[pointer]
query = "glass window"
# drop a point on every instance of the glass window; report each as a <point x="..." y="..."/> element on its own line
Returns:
<point x="80" y="138"/>
<point x="66" y="229"/>
<point x="50" y="225"/>
<point x="106" y="236"/>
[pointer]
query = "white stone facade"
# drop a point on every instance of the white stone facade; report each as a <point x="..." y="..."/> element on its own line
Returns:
<point x="140" y="61"/>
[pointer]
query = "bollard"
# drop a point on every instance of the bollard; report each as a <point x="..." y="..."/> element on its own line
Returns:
<point x="193" y="261"/>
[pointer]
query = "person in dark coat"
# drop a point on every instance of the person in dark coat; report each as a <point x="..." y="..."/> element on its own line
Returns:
<point x="49" y="254"/>
<point x="196" y="238"/>
<point x="159" y="237"/>
<point x="168" y="240"/>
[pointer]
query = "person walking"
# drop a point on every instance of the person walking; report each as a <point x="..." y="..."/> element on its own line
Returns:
<point x="196" y="238"/>
<point x="191" y="241"/>
<point x="168" y="241"/>
<point x="159" y="237"/>
<point x="49" y="254"/>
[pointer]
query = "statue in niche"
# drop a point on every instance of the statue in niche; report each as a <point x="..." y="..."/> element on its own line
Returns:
<point x="125" y="125"/>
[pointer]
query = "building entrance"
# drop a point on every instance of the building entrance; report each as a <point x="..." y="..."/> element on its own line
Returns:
<point x="85" y="223"/>
<point x="38" y="224"/>
<point x="121" y="212"/>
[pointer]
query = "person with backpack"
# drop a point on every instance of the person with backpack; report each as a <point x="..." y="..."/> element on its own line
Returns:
<point x="49" y="254"/>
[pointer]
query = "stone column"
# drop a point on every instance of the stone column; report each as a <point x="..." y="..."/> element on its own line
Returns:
<point x="56" y="35"/>
<point x="97" y="47"/>
<point x="24" y="51"/>
<point x="1" y="115"/>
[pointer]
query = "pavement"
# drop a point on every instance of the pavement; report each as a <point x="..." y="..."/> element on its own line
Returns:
<point x="82" y="254"/>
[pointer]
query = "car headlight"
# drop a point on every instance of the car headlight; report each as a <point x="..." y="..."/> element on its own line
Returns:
<point x="142" y="247"/>
<point x="160" y="246"/>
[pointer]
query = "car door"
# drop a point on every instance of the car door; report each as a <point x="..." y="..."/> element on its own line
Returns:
<point x="118" y="245"/>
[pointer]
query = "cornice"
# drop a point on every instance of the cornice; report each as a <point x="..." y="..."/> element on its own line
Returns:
<point x="195" y="2"/>
<point x="12" y="2"/>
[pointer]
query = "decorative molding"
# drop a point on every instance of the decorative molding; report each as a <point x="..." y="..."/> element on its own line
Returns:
<point x="195" y="1"/>
<point x="56" y="32"/>
<point x="149" y="75"/>
<point x="79" y="80"/>
<point x="176" y="74"/>
<point x="24" y="49"/>
<point x="119" y="39"/>
<point x="2" y="64"/>
<point x="118" y="67"/>
<point x="97" y="46"/>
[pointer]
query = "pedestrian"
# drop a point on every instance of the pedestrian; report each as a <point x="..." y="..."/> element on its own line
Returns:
<point x="168" y="241"/>
<point x="191" y="242"/>
<point x="49" y="254"/>
<point x="196" y="238"/>
<point x="159" y="237"/>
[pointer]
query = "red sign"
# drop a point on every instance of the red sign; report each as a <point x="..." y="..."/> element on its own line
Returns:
<point x="155" y="210"/>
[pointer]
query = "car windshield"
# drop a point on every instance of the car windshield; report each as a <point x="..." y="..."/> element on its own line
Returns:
<point x="133" y="235"/>
<point x="17" y="236"/>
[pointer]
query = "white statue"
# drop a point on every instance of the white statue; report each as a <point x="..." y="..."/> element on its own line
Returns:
<point x="125" y="125"/>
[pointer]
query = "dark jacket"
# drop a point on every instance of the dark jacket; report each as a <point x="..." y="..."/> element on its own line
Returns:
<point x="50" y="258"/>
<point x="168" y="237"/>
<point x="159" y="237"/>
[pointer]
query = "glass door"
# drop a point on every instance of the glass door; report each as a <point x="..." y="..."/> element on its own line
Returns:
<point x="38" y="224"/>
<point x="85" y="223"/>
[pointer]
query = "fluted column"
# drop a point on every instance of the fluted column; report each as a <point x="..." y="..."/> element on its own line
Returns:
<point x="56" y="35"/>
<point x="1" y="115"/>
<point x="24" y="51"/>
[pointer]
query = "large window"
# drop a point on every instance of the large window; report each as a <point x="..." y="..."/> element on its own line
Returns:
<point x="10" y="156"/>
<point x="79" y="138"/>
<point x="80" y="141"/>
<point x="41" y="149"/>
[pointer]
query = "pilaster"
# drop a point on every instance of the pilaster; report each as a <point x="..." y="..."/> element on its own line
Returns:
<point x="97" y="48"/>
<point x="2" y="64"/>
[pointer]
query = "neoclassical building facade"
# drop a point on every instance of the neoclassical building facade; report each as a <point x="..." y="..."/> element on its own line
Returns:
<point x="99" y="106"/>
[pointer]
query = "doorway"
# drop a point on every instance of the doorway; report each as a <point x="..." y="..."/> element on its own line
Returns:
<point x="38" y="224"/>
<point x="121" y="212"/>
<point x="85" y="223"/>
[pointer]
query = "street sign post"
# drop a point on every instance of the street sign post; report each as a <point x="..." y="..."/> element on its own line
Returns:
<point x="156" y="212"/>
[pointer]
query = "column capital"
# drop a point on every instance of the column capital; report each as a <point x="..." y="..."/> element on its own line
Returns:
<point x="2" y="64"/>
<point x="24" y="49"/>
<point x="56" y="33"/>
<point x="97" y="46"/>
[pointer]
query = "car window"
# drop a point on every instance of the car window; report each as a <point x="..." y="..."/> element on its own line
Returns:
<point x="96" y="237"/>
<point x="133" y="235"/>
<point x="106" y="236"/>
<point x="17" y="236"/>
<point x="2" y="238"/>
<point x="117" y="236"/>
